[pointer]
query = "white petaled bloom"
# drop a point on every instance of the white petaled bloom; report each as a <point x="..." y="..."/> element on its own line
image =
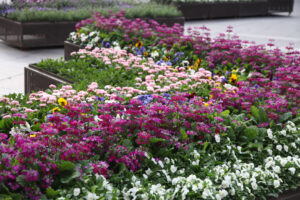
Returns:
<point x="154" y="54"/>
<point x="61" y="198"/>
<point x="286" y="148"/>
<point x="91" y="196"/>
<point x="283" y="132"/>
<point x="148" y="171"/>
<point x="293" y="145"/>
<point x="270" y="152"/>
<point x="270" y="134"/>
<point x="283" y="162"/>
<point x="223" y="193"/>
<point x="217" y="138"/>
<point x="276" y="183"/>
<point x="173" y="169"/>
<point x="276" y="169"/>
<point x="279" y="147"/>
<point x="76" y="192"/>
<point x="167" y="160"/>
<point x="292" y="170"/>
<point x="254" y="185"/>
<point x="161" y="164"/>
<point x="185" y="63"/>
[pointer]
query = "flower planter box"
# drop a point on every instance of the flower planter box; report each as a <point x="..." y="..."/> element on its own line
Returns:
<point x="34" y="34"/>
<point x="36" y="79"/>
<point x="69" y="48"/>
<point x="224" y="10"/>
<point x="255" y="8"/>
<point x="289" y="195"/>
<point x="280" y="6"/>
<point x="194" y="10"/>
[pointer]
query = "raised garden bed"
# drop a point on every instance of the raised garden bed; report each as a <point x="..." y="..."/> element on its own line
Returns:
<point x="224" y="10"/>
<point x="280" y="6"/>
<point x="289" y="195"/>
<point x="195" y="10"/>
<point x="36" y="79"/>
<point x="34" y="34"/>
<point x="255" y="8"/>
<point x="69" y="48"/>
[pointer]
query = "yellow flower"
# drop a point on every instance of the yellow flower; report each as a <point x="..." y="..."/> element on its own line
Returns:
<point x="32" y="135"/>
<point x="166" y="59"/>
<point x="233" y="71"/>
<point x="233" y="79"/>
<point x="62" y="102"/>
<point x="209" y="78"/>
<point x="189" y="68"/>
<point x="197" y="63"/>
<point x="139" y="44"/>
<point x="211" y="96"/>
<point x="206" y="104"/>
<point x="56" y="109"/>
<point x="146" y="53"/>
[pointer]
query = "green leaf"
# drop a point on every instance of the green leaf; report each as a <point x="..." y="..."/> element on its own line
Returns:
<point x="184" y="135"/>
<point x="51" y="193"/>
<point x="21" y="180"/>
<point x="225" y="112"/>
<point x="65" y="166"/>
<point x="251" y="132"/>
<point x="286" y="116"/>
<point x="68" y="179"/>
<point x="156" y="140"/>
<point x="255" y="112"/>
<point x="263" y="117"/>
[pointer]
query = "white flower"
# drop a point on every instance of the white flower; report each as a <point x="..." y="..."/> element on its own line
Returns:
<point x="276" y="169"/>
<point x="91" y="196"/>
<point x="283" y="132"/>
<point x="148" y="171"/>
<point x="223" y="193"/>
<point x="206" y="193"/>
<point x="185" y="63"/>
<point x="154" y="54"/>
<point x="279" y="147"/>
<point x="217" y="138"/>
<point x="173" y="169"/>
<point x="286" y="148"/>
<point x="254" y="185"/>
<point x="293" y="145"/>
<point x="292" y="170"/>
<point x="161" y="164"/>
<point x="76" y="192"/>
<point x="276" y="183"/>
<point x="283" y="162"/>
<point x="167" y="160"/>
<point x="61" y="198"/>
<point x="270" y="152"/>
<point x="270" y="135"/>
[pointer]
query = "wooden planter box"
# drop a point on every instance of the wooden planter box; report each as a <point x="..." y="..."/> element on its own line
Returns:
<point x="34" y="34"/>
<point x="280" y="6"/>
<point x="224" y="10"/>
<point x="194" y="10"/>
<point x="36" y="79"/>
<point x="255" y="8"/>
<point x="289" y="195"/>
<point x="69" y="48"/>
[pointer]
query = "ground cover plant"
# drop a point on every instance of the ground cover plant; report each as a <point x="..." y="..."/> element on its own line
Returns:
<point x="139" y="126"/>
<point x="66" y="10"/>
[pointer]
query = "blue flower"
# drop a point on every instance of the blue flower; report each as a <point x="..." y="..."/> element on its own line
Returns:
<point x="100" y="98"/>
<point x="145" y="99"/>
<point x="179" y="54"/>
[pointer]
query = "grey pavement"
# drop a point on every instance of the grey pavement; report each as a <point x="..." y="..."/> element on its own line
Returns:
<point x="283" y="28"/>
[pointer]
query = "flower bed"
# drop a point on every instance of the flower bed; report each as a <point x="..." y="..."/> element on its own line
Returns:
<point x="140" y="126"/>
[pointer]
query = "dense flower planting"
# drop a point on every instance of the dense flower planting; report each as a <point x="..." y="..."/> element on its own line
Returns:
<point x="221" y="122"/>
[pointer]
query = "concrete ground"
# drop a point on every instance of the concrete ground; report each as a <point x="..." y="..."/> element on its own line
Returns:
<point x="283" y="28"/>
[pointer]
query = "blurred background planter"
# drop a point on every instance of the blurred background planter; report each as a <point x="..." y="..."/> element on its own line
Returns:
<point x="224" y="10"/>
<point x="280" y="6"/>
<point x="194" y="10"/>
<point x="253" y="8"/>
<point x="34" y="34"/>
<point x="36" y="79"/>
<point x="289" y="195"/>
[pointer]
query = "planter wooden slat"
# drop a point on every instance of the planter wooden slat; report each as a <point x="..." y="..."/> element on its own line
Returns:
<point x="34" y="34"/>
<point x="70" y="47"/>
<point x="289" y="195"/>
<point x="224" y="10"/>
<point x="254" y="8"/>
<point x="36" y="79"/>
<point x="280" y="6"/>
<point x="193" y="11"/>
